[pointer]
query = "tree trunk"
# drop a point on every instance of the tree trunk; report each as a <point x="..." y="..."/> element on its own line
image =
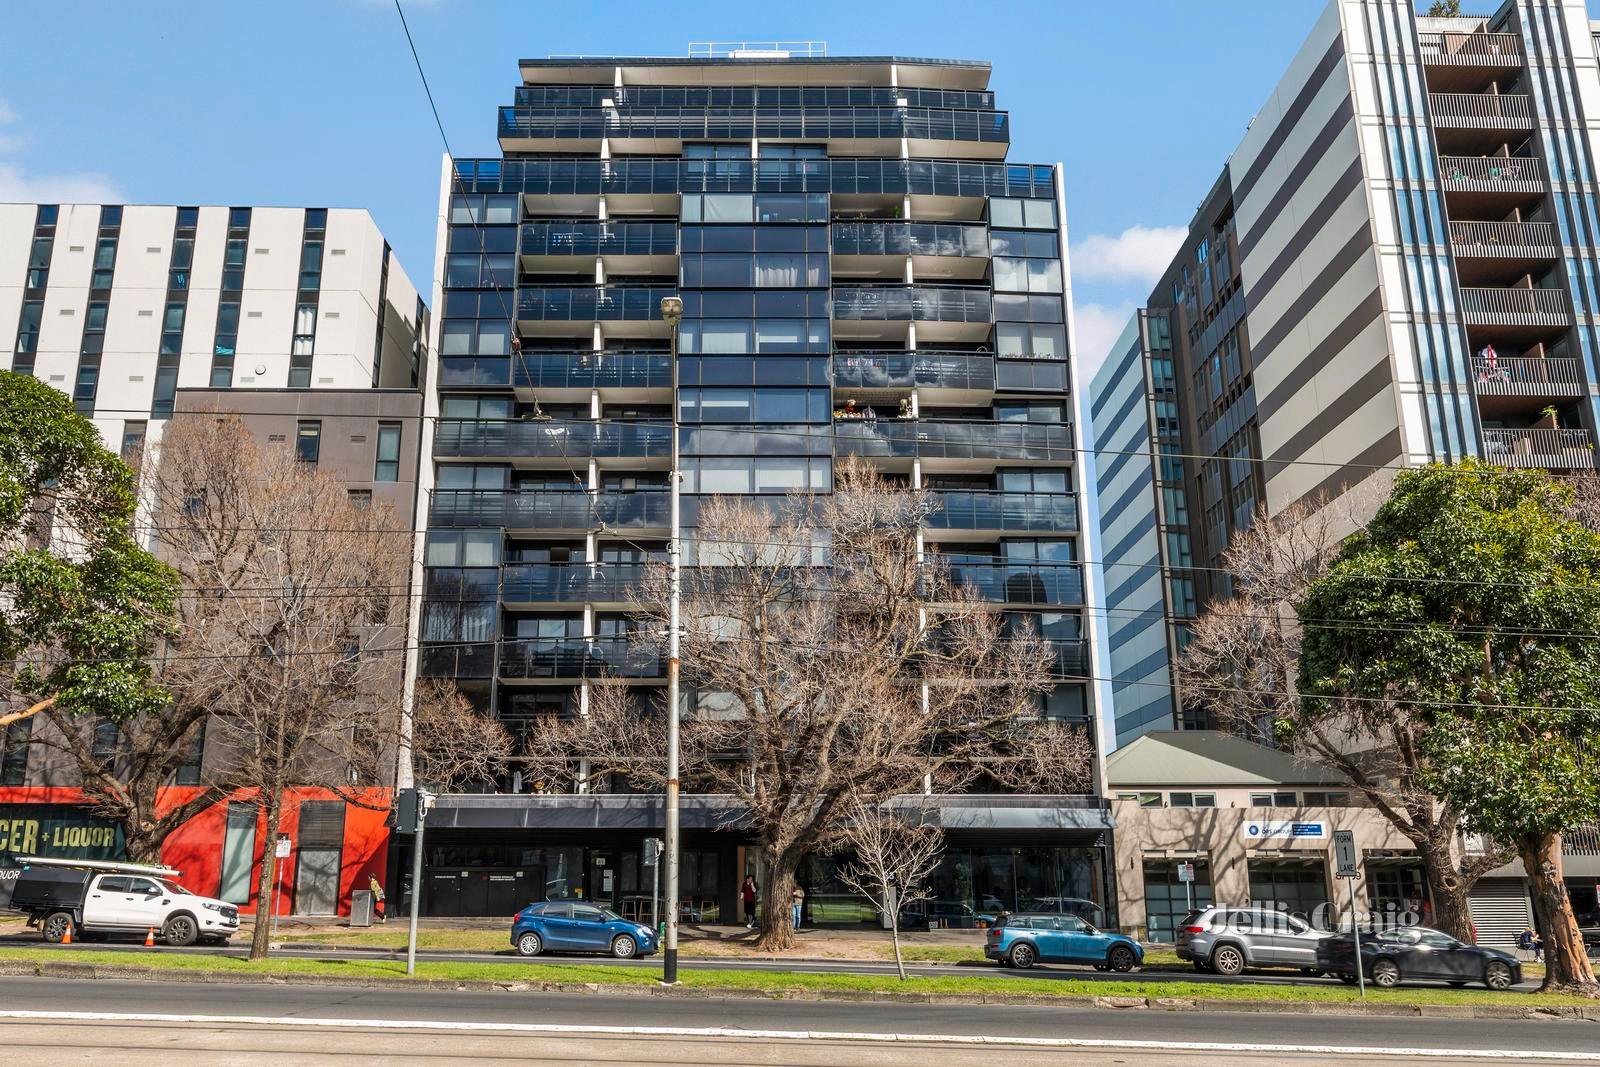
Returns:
<point x="894" y="932"/>
<point x="138" y="818"/>
<point x="1566" y="964"/>
<point x="260" y="941"/>
<point x="1451" y="912"/>
<point x="777" y="924"/>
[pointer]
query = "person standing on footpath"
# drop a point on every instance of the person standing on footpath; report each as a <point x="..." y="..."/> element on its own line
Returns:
<point x="377" y="898"/>
<point x="747" y="893"/>
<point x="799" y="898"/>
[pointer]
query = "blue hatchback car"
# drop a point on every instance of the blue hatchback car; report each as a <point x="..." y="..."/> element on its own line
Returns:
<point x="573" y="926"/>
<point x="1026" y="938"/>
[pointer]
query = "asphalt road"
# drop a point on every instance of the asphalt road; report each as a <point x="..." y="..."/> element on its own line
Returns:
<point x="794" y="966"/>
<point x="154" y="1019"/>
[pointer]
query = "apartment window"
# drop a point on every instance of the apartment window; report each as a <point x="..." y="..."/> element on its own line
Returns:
<point x="104" y="744"/>
<point x="132" y="450"/>
<point x="308" y="441"/>
<point x="28" y="334"/>
<point x="1193" y="800"/>
<point x="194" y="748"/>
<point x="1327" y="800"/>
<point x="1272" y="800"/>
<point x="14" y="755"/>
<point x="1149" y="800"/>
<point x="387" y="468"/>
<point x="360" y="499"/>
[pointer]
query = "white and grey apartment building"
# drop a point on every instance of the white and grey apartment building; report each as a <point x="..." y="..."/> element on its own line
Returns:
<point x="1396" y="266"/>
<point x="846" y="234"/>
<point x="298" y="319"/>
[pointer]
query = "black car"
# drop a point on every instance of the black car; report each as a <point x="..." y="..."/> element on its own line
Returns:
<point x="1389" y="957"/>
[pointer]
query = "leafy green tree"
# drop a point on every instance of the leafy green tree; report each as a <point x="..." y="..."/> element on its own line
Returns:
<point x="1473" y="598"/>
<point x="82" y="606"/>
<point x="1444" y="9"/>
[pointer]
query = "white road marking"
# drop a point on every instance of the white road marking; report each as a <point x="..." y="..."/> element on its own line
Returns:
<point x="793" y="1035"/>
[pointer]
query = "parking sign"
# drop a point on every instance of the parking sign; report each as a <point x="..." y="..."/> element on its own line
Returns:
<point x="1185" y="872"/>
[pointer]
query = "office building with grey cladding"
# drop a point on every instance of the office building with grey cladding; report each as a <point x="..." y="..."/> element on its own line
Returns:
<point x="1396" y="266"/>
<point x="863" y="273"/>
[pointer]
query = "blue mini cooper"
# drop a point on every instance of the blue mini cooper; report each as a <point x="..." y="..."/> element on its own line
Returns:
<point x="573" y="926"/>
<point x="1026" y="938"/>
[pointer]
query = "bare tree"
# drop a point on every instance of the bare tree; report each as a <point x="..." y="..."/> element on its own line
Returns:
<point x="453" y="746"/>
<point x="291" y="634"/>
<point x="832" y="666"/>
<point x="893" y="851"/>
<point x="1242" y="664"/>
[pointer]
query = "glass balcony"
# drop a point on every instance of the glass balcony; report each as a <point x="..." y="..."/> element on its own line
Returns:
<point x="571" y="583"/>
<point x="909" y="239"/>
<point x="905" y="370"/>
<point x="570" y="510"/>
<point x="1071" y="659"/>
<point x="575" y="238"/>
<point x="1020" y="583"/>
<point x="551" y="439"/>
<point x="954" y="439"/>
<point x="904" y="303"/>
<point x="1003" y="512"/>
<point x="642" y="174"/>
<point x="591" y="303"/>
<point x="577" y="370"/>
<point x="749" y="96"/>
<point x="1541" y="447"/>
<point x="579" y="657"/>
<point x="709" y="123"/>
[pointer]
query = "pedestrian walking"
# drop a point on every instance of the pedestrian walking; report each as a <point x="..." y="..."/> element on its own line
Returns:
<point x="799" y="899"/>
<point x="747" y="893"/>
<point x="377" y="898"/>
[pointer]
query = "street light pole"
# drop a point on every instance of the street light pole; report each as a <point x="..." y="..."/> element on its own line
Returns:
<point x="672" y="313"/>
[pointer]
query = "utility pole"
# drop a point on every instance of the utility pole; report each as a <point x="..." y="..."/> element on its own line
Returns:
<point x="412" y="816"/>
<point x="672" y="314"/>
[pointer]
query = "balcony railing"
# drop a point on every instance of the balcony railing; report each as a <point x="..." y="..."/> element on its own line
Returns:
<point x="636" y="174"/>
<point x="1516" y="307"/>
<point x="1510" y="239"/>
<point x="1071" y="659"/>
<point x="1527" y="376"/>
<point x="927" y="369"/>
<point x="571" y="583"/>
<point x="1003" y="512"/>
<point x="591" y="302"/>
<point x="579" y="657"/>
<point x="1581" y="841"/>
<point x="750" y="96"/>
<point x="709" y="123"/>
<point x="1472" y="49"/>
<point x="909" y="239"/>
<point x="1020" y="583"/>
<point x="955" y="439"/>
<point x="599" y="238"/>
<point x="551" y="439"/>
<point x="1515" y="174"/>
<point x="572" y="510"/>
<point x="1475" y="111"/>
<point x="907" y="303"/>
<point x="1538" y="448"/>
<point x="578" y="370"/>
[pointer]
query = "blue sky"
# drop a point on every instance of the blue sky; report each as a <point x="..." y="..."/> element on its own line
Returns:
<point x="317" y="103"/>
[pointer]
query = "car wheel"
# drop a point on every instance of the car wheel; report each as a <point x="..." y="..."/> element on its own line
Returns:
<point x="1121" y="959"/>
<point x="1385" y="974"/>
<point x="1312" y="972"/>
<point x="1348" y="979"/>
<point x="1023" y="956"/>
<point x="55" y="926"/>
<point x="1228" y="960"/>
<point x="180" y="931"/>
<point x="1496" y="976"/>
<point x="529" y="944"/>
<point x="624" y="947"/>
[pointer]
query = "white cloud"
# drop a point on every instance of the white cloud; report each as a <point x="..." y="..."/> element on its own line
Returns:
<point x="18" y="186"/>
<point x="1137" y="254"/>
<point x="1097" y="329"/>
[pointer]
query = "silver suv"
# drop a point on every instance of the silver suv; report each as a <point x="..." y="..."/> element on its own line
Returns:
<point x="1226" y="939"/>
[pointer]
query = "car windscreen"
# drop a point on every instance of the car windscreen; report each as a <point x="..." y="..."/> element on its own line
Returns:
<point x="173" y="887"/>
<point x="610" y="916"/>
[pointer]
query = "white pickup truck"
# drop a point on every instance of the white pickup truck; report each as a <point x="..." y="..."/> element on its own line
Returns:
<point x="94" y="900"/>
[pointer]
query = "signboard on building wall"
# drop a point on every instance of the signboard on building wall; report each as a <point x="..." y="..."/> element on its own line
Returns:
<point x="61" y="831"/>
<point x="1295" y="831"/>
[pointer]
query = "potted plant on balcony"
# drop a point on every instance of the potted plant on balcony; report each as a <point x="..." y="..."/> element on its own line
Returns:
<point x="1547" y="418"/>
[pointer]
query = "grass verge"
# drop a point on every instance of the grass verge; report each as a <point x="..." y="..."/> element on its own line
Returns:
<point x="777" y="983"/>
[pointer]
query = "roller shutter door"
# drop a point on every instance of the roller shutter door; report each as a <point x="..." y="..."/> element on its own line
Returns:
<point x="1500" y="910"/>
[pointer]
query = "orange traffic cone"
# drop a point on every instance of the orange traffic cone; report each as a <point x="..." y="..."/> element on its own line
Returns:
<point x="150" y="938"/>
<point x="66" y="934"/>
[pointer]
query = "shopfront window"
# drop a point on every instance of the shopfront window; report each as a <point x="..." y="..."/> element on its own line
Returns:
<point x="1167" y="897"/>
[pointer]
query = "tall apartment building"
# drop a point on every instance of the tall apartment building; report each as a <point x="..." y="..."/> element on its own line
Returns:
<point x="1396" y="266"/>
<point x="301" y="321"/>
<point x="862" y="273"/>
